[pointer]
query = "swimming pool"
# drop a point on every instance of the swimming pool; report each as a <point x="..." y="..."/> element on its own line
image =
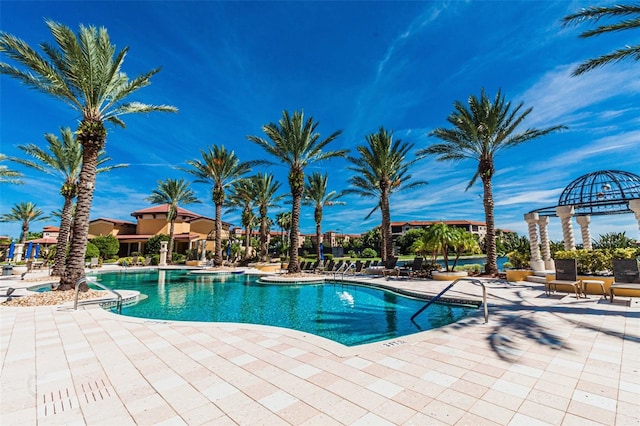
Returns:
<point x="346" y="313"/>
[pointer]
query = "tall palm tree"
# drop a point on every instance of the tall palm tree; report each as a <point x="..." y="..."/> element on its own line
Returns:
<point x="630" y="15"/>
<point x="84" y="71"/>
<point x="316" y="195"/>
<point x="242" y="197"/>
<point x="172" y="192"/>
<point x="382" y="169"/>
<point x="481" y="131"/>
<point x="296" y="144"/>
<point x="220" y="168"/>
<point x="283" y="220"/>
<point x="64" y="159"/>
<point x="7" y="175"/>
<point x="264" y="191"/>
<point x="24" y="212"/>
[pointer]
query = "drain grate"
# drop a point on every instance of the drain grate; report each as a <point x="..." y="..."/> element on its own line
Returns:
<point x="94" y="391"/>
<point x="58" y="401"/>
<point x="66" y="399"/>
<point x="393" y="343"/>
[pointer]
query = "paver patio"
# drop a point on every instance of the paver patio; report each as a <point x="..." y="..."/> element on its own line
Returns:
<point x="539" y="360"/>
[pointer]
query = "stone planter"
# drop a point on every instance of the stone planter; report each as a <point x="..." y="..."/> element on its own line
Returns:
<point x="514" y="275"/>
<point x="19" y="269"/>
<point x="448" y="276"/>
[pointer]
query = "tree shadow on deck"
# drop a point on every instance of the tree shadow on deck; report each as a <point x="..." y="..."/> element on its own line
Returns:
<point x="517" y="324"/>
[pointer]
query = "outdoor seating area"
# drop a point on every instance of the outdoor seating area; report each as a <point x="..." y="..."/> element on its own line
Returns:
<point x="533" y="363"/>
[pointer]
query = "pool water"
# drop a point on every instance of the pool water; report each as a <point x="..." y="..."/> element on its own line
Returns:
<point x="346" y="313"/>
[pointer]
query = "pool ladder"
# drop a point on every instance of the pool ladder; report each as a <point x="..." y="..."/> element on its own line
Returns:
<point x="344" y="268"/>
<point x="439" y="295"/>
<point x="104" y="287"/>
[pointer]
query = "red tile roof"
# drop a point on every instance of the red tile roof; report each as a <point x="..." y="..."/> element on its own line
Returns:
<point x="114" y="221"/>
<point x="164" y="208"/>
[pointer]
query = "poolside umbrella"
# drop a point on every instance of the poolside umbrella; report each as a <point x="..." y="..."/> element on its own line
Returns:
<point x="12" y="247"/>
<point x="27" y="254"/>
<point x="229" y="250"/>
<point x="321" y="252"/>
<point x="37" y="251"/>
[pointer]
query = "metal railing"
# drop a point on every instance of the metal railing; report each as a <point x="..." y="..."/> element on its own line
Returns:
<point x="104" y="287"/>
<point x="348" y="266"/>
<point x="342" y="269"/>
<point x="439" y="295"/>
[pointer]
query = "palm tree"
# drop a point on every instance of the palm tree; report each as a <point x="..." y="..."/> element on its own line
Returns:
<point x="63" y="158"/>
<point x="7" y="175"/>
<point x="242" y="197"/>
<point x="264" y="192"/>
<point x="295" y="143"/>
<point x="283" y="220"/>
<point x="220" y="168"/>
<point x="480" y="132"/>
<point x="382" y="169"/>
<point x="315" y="194"/>
<point x="84" y="71"/>
<point x="172" y="192"/>
<point x="631" y="19"/>
<point x="25" y="212"/>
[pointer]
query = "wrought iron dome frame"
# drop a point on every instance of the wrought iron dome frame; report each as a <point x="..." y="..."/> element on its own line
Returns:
<point x="598" y="193"/>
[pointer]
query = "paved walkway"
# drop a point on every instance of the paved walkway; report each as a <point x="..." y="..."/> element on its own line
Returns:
<point x="540" y="360"/>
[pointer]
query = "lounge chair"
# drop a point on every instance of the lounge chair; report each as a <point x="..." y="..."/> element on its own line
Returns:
<point x="95" y="263"/>
<point x="390" y="267"/>
<point x="626" y="276"/>
<point x="566" y="275"/>
<point x="414" y="270"/>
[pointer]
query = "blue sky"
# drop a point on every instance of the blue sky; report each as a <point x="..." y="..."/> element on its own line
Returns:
<point x="231" y="67"/>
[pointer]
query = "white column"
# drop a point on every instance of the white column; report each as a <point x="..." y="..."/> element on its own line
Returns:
<point x="543" y="223"/>
<point x="532" y="221"/>
<point x="565" y="213"/>
<point x="584" y="221"/>
<point x="163" y="253"/>
<point x="203" y="257"/>
<point x="634" y="205"/>
<point x="18" y="252"/>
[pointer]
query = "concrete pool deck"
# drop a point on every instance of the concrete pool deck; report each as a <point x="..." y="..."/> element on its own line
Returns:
<point x="539" y="360"/>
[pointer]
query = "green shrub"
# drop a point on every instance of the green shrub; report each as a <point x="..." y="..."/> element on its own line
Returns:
<point x="369" y="253"/>
<point x="519" y="260"/>
<point x="471" y="268"/>
<point x="92" y="251"/>
<point x="153" y="245"/>
<point x="178" y="258"/>
<point x="328" y="256"/>
<point x="107" y="244"/>
<point x="352" y="253"/>
<point x="507" y="265"/>
<point x="597" y="261"/>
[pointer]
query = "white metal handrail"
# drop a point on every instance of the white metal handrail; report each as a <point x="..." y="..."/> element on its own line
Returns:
<point x="439" y="295"/>
<point x="102" y="286"/>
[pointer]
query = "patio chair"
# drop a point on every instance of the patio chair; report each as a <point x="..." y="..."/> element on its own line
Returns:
<point x="566" y="275"/>
<point x="390" y="267"/>
<point x="414" y="270"/>
<point x="626" y="276"/>
<point x="95" y="263"/>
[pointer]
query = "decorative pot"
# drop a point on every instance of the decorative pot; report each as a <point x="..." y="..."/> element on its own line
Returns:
<point x="448" y="276"/>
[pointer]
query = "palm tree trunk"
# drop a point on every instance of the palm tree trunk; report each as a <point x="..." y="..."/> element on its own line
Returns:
<point x="491" y="267"/>
<point x="385" y="231"/>
<point x="25" y="231"/>
<point x="217" y="257"/>
<point x="247" y="241"/>
<point x="263" y="236"/>
<point x="318" y="239"/>
<point x="63" y="238"/>
<point x="294" y="236"/>
<point x="317" y="215"/>
<point x="171" y="230"/>
<point x="75" y="262"/>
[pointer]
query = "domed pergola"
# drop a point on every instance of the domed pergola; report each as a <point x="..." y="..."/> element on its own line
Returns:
<point x="599" y="193"/>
